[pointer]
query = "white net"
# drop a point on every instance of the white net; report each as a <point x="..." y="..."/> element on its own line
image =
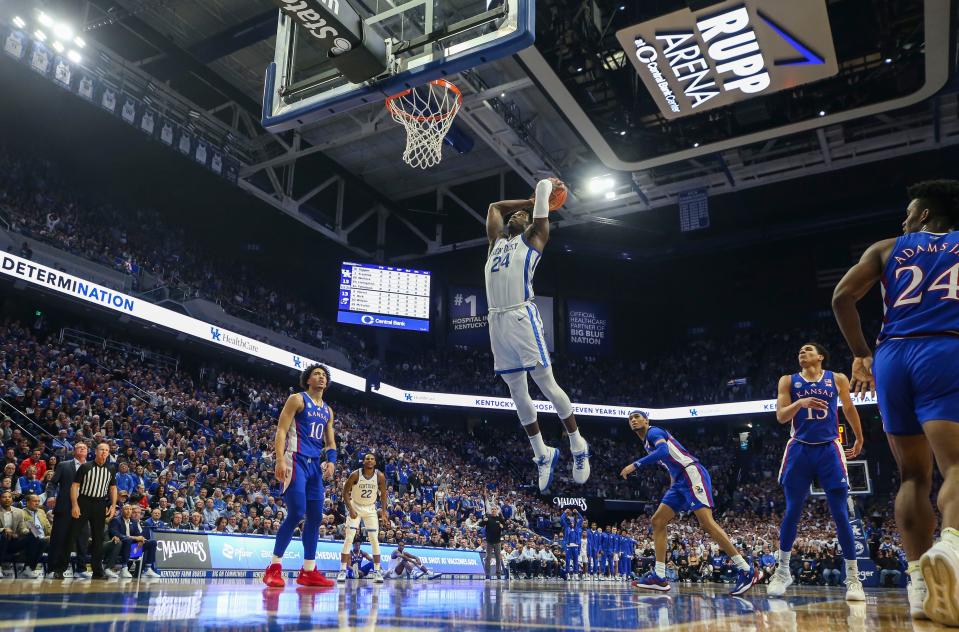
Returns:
<point x="427" y="113"/>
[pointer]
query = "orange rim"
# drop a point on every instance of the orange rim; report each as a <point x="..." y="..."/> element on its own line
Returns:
<point x="435" y="117"/>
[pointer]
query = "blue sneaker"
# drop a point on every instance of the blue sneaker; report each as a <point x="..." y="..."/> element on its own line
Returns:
<point x="652" y="581"/>
<point x="546" y="467"/>
<point x="744" y="581"/>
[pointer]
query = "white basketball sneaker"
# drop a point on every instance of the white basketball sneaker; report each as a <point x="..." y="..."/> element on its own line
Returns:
<point x="916" y="590"/>
<point x="854" y="591"/>
<point x="940" y="569"/>
<point x="779" y="582"/>
<point x="341" y="576"/>
<point x="581" y="466"/>
<point x="377" y="577"/>
<point x="546" y="465"/>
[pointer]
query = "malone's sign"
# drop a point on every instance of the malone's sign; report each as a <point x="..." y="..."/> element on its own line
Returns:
<point x="730" y="51"/>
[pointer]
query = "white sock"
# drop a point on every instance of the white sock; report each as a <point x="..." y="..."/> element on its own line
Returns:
<point x="951" y="536"/>
<point x="539" y="448"/>
<point x="309" y="565"/>
<point x="276" y="560"/>
<point x="740" y="562"/>
<point x="342" y="566"/>
<point x="784" y="560"/>
<point x="576" y="441"/>
<point x="852" y="570"/>
<point x="661" y="569"/>
<point x="914" y="573"/>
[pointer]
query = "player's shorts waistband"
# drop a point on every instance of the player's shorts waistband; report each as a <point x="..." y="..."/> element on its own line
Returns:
<point x="500" y="310"/>
<point x="815" y="443"/>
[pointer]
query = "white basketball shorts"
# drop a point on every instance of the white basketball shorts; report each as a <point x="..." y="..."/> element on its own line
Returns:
<point x="366" y="515"/>
<point x="517" y="339"/>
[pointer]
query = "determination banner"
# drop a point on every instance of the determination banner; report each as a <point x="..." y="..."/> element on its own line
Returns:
<point x="587" y="326"/>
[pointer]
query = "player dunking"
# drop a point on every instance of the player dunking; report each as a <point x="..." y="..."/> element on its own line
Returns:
<point x="303" y="434"/>
<point x="917" y="377"/>
<point x="515" y="326"/>
<point x="360" y="492"/>
<point x="808" y="400"/>
<point x="690" y="490"/>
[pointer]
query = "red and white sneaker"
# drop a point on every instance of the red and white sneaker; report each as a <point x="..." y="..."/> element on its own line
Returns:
<point x="314" y="578"/>
<point x="273" y="577"/>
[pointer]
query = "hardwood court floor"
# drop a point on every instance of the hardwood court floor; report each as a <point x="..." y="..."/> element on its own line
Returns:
<point x="421" y="606"/>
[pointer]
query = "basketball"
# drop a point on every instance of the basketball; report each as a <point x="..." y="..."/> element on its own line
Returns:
<point x="558" y="197"/>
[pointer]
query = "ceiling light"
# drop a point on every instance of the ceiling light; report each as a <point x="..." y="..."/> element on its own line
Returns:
<point x="622" y="7"/>
<point x="18" y="22"/>
<point x="579" y="69"/>
<point x="601" y="184"/>
<point x="888" y="60"/>
<point x="80" y="43"/>
<point x="40" y="35"/>
<point x="695" y="144"/>
<point x="45" y="19"/>
<point x="822" y="112"/>
<point x="622" y="133"/>
<point x="74" y="56"/>
<point x="57" y="46"/>
<point x="63" y="32"/>
<point x="502" y="95"/>
<point x="610" y="195"/>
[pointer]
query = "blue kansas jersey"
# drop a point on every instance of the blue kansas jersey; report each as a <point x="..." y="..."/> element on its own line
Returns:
<point x="811" y="425"/>
<point x="920" y="286"/>
<point x="306" y="432"/>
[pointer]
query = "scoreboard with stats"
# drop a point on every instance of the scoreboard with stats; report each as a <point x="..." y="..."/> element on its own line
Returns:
<point x="384" y="296"/>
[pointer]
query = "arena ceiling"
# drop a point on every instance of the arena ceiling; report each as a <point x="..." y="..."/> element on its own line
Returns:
<point x="571" y="105"/>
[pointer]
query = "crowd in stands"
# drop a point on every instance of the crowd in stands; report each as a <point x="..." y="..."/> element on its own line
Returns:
<point x="36" y="202"/>
<point x="195" y="453"/>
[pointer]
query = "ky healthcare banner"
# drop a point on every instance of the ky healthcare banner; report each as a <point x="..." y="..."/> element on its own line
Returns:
<point x="588" y="327"/>
<point x="224" y="554"/>
<point x="467" y="310"/>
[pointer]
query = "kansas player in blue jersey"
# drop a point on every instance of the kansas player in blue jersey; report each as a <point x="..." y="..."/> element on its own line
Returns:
<point x="303" y="434"/>
<point x="916" y="374"/>
<point x="690" y="490"/>
<point x="809" y="402"/>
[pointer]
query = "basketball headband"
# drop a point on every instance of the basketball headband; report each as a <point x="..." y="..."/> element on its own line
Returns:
<point x="641" y="412"/>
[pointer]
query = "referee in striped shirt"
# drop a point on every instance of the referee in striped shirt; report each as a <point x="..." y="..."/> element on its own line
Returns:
<point x="93" y="496"/>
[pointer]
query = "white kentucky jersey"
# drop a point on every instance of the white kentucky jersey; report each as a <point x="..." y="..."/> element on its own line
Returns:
<point x="509" y="273"/>
<point x="364" y="491"/>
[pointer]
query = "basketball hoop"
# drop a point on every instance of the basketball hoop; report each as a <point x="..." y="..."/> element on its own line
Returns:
<point x="427" y="113"/>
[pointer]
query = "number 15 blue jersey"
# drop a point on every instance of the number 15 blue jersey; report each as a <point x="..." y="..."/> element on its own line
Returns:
<point x="920" y="286"/>
<point x="811" y="425"/>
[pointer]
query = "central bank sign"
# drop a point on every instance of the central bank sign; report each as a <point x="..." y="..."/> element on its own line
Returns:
<point x="730" y="51"/>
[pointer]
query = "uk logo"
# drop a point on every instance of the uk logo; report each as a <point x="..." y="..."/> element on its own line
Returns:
<point x="408" y="396"/>
<point x="297" y="362"/>
<point x="693" y="412"/>
<point x="215" y="334"/>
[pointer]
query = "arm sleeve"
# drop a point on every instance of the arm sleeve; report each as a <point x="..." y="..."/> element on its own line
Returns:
<point x="658" y="454"/>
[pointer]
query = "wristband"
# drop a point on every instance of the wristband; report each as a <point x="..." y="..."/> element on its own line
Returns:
<point x="331" y="455"/>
